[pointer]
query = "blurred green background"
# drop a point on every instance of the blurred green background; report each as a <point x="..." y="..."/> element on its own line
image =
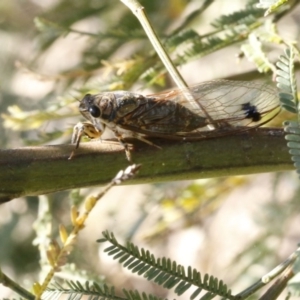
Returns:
<point x="51" y="53"/>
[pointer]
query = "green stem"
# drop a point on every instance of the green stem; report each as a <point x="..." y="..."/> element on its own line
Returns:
<point x="46" y="169"/>
<point x="6" y="281"/>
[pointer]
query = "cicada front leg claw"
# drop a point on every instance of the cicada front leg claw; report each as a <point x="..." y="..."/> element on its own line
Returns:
<point x="83" y="129"/>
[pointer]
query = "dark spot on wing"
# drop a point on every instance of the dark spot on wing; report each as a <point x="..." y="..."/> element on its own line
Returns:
<point x="251" y="112"/>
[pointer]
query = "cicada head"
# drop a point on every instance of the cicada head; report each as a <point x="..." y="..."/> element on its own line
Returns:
<point x="97" y="107"/>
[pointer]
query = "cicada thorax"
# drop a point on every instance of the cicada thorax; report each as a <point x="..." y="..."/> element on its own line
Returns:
<point x="134" y="111"/>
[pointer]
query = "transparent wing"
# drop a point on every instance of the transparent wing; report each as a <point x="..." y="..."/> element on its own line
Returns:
<point x="235" y="103"/>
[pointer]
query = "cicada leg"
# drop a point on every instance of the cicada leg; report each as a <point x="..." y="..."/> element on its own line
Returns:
<point x="81" y="129"/>
<point x="87" y="129"/>
<point x="124" y="144"/>
<point x="134" y="135"/>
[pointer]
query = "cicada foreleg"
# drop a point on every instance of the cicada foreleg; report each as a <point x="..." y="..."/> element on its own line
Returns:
<point x="84" y="129"/>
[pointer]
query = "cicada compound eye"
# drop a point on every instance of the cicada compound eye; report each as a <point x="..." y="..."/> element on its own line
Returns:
<point x="94" y="111"/>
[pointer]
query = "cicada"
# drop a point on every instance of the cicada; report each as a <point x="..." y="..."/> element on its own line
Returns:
<point x="215" y="108"/>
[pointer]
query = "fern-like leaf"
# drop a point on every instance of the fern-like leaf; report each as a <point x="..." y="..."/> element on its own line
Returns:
<point x="246" y="16"/>
<point x="135" y="295"/>
<point x="180" y="38"/>
<point x="253" y="51"/>
<point x="163" y="271"/>
<point x="286" y="82"/>
<point x="292" y="130"/>
<point x="77" y="290"/>
<point x="203" y="45"/>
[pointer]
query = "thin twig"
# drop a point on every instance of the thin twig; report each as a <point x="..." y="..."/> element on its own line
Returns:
<point x="268" y="277"/>
<point x="139" y="11"/>
<point x="279" y="285"/>
<point x="6" y="281"/>
<point x="57" y="255"/>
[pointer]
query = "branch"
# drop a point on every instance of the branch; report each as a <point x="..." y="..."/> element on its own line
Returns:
<point x="46" y="169"/>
